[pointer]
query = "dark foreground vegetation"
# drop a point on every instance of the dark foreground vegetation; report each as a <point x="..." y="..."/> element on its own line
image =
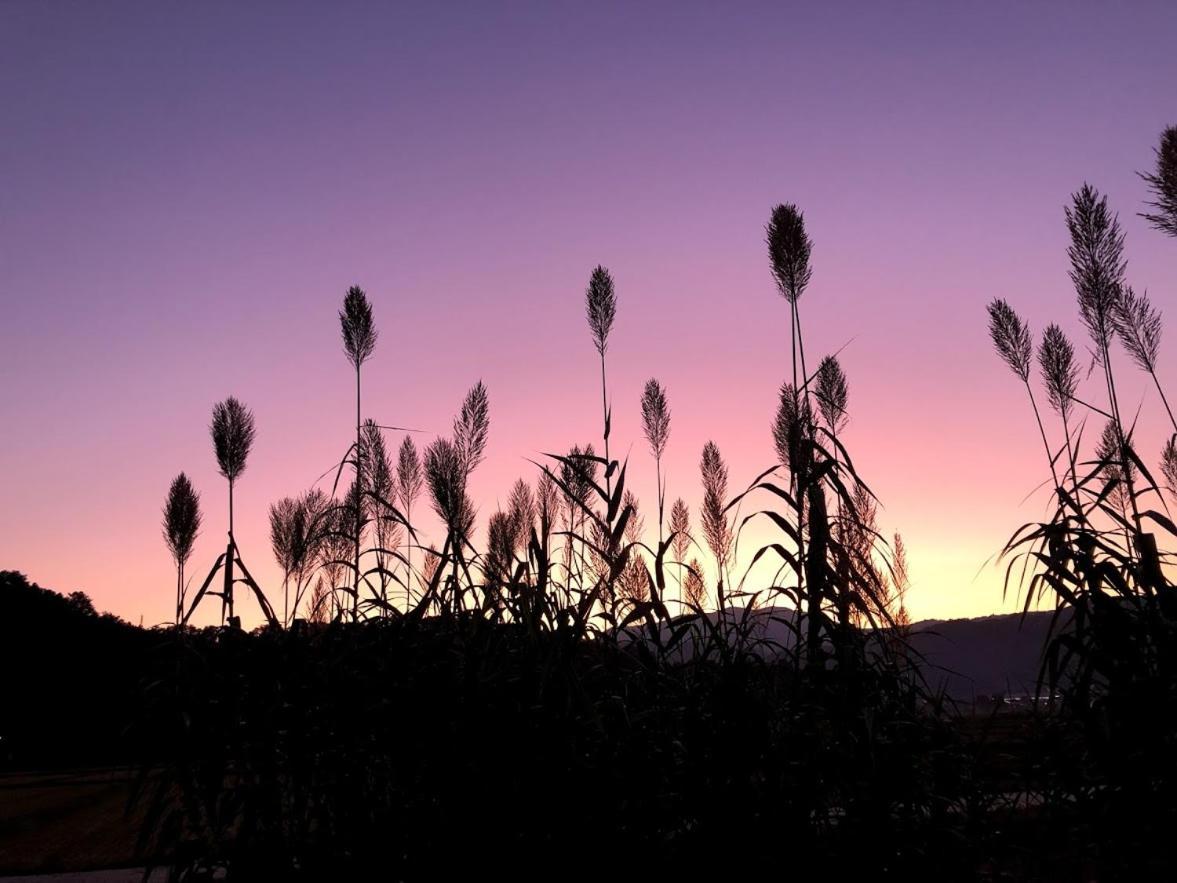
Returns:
<point x="331" y="749"/>
<point x="575" y="698"/>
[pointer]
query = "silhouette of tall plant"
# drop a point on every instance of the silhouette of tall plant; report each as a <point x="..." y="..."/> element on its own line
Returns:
<point x="181" y="525"/>
<point x="656" y="425"/>
<point x="410" y="479"/>
<point x="789" y="252"/>
<point x="1012" y="341"/>
<point x="716" y="528"/>
<point x="379" y="497"/>
<point x="284" y="539"/>
<point x="359" y="342"/>
<point x="680" y="538"/>
<point x="1060" y="375"/>
<point x="1096" y="254"/>
<point x="600" y="304"/>
<point x="233" y="433"/>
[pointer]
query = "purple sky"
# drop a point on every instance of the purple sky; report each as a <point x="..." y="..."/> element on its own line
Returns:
<point x="188" y="190"/>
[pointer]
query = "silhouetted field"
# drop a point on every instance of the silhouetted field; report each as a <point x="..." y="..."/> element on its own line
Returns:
<point x="575" y="694"/>
<point x="345" y="745"/>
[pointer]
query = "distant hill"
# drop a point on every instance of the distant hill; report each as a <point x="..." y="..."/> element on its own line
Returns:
<point x="967" y="659"/>
<point x="987" y="656"/>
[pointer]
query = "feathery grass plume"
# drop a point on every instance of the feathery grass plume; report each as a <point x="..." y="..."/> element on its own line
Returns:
<point x="410" y="480"/>
<point x="181" y="524"/>
<point x="680" y="528"/>
<point x="432" y="563"/>
<point x="319" y="603"/>
<point x="901" y="578"/>
<point x="181" y="518"/>
<point x="379" y="480"/>
<point x="790" y="428"/>
<point x="1056" y="359"/>
<point x="409" y="477"/>
<point x="501" y="538"/>
<point x="600" y="306"/>
<point x="1011" y="338"/>
<point x="636" y="525"/>
<point x="359" y="342"/>
<point x="547" y="504"/>
<point x="680" y="540"/>
<point x="716" y="529"/>
<point x="858" y="534"/>
<point x="1012" y="341"/>
<point x="521" y="508"/>
<point x="1169" y="464"/>
<point x="579" y="473"/>
<point x="789" y="250"/>
<point x="694" y="591"/>
<point x="1116" y="467"/>
<point x="1138" y="325"/>
<point x="284" y="540"/>
<point x="656" y="425"/>
<point x="356" y="326"/>
<point x="379" y="495"/>
<point x="233" y="433"/>
<point x="1163" y="184"/>
<point x="282" y="531"/>
<point x="307" y="537"/>
<point x="445" y="474"/>
<point x="1060" y="373"/>
<point x="832" y="394"/>
<point x="336" y="544"/>
<point x="600" y="303"/>
<point x="1097" y="261"/>
<point x="655" y="417"/>
<point x="472" y="427"/>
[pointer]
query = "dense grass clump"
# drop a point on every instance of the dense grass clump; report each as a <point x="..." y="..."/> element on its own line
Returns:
<point x="433" y="746"/>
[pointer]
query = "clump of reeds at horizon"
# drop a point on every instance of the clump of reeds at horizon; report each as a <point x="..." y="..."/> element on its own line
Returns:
<point x="1104" y="554"/>
<point x="574" y="551"/>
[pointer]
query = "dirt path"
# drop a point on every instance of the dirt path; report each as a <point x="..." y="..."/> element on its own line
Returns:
<point x="75" y="820"/>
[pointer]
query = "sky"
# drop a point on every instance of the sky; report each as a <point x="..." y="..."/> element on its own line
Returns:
<point x="187" y="191"/>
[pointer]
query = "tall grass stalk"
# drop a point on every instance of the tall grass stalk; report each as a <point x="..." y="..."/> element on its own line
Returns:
<point x="600" y="304"/>
<point x="656" y="425"/>
<point x="359" y="342"/>
<point x="233" y="432"/>
<point x="410" y="481"/>
<point x="181" y="525"/>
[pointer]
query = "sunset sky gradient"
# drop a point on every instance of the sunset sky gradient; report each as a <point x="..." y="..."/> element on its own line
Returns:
<point x="187" y="191"/>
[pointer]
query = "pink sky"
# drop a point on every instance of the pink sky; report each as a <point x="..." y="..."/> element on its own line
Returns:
<point x="188" y="192"/>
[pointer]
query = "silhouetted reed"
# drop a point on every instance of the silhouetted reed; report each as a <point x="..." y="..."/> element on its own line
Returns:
<point x="1163" y="184"/>
<point x="1108" y="663"/>
<point x="600" y="305"/>
<point x="716" y="528"/>
<point x="1013" y="343"/>
<point x="233" y="433"/>
<point x="656" y="426"/>
<point x="410" y="480"/>
<point x="181" y="524"/>
<point x="359" y="342"/>
<point x="680" y="538"/>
